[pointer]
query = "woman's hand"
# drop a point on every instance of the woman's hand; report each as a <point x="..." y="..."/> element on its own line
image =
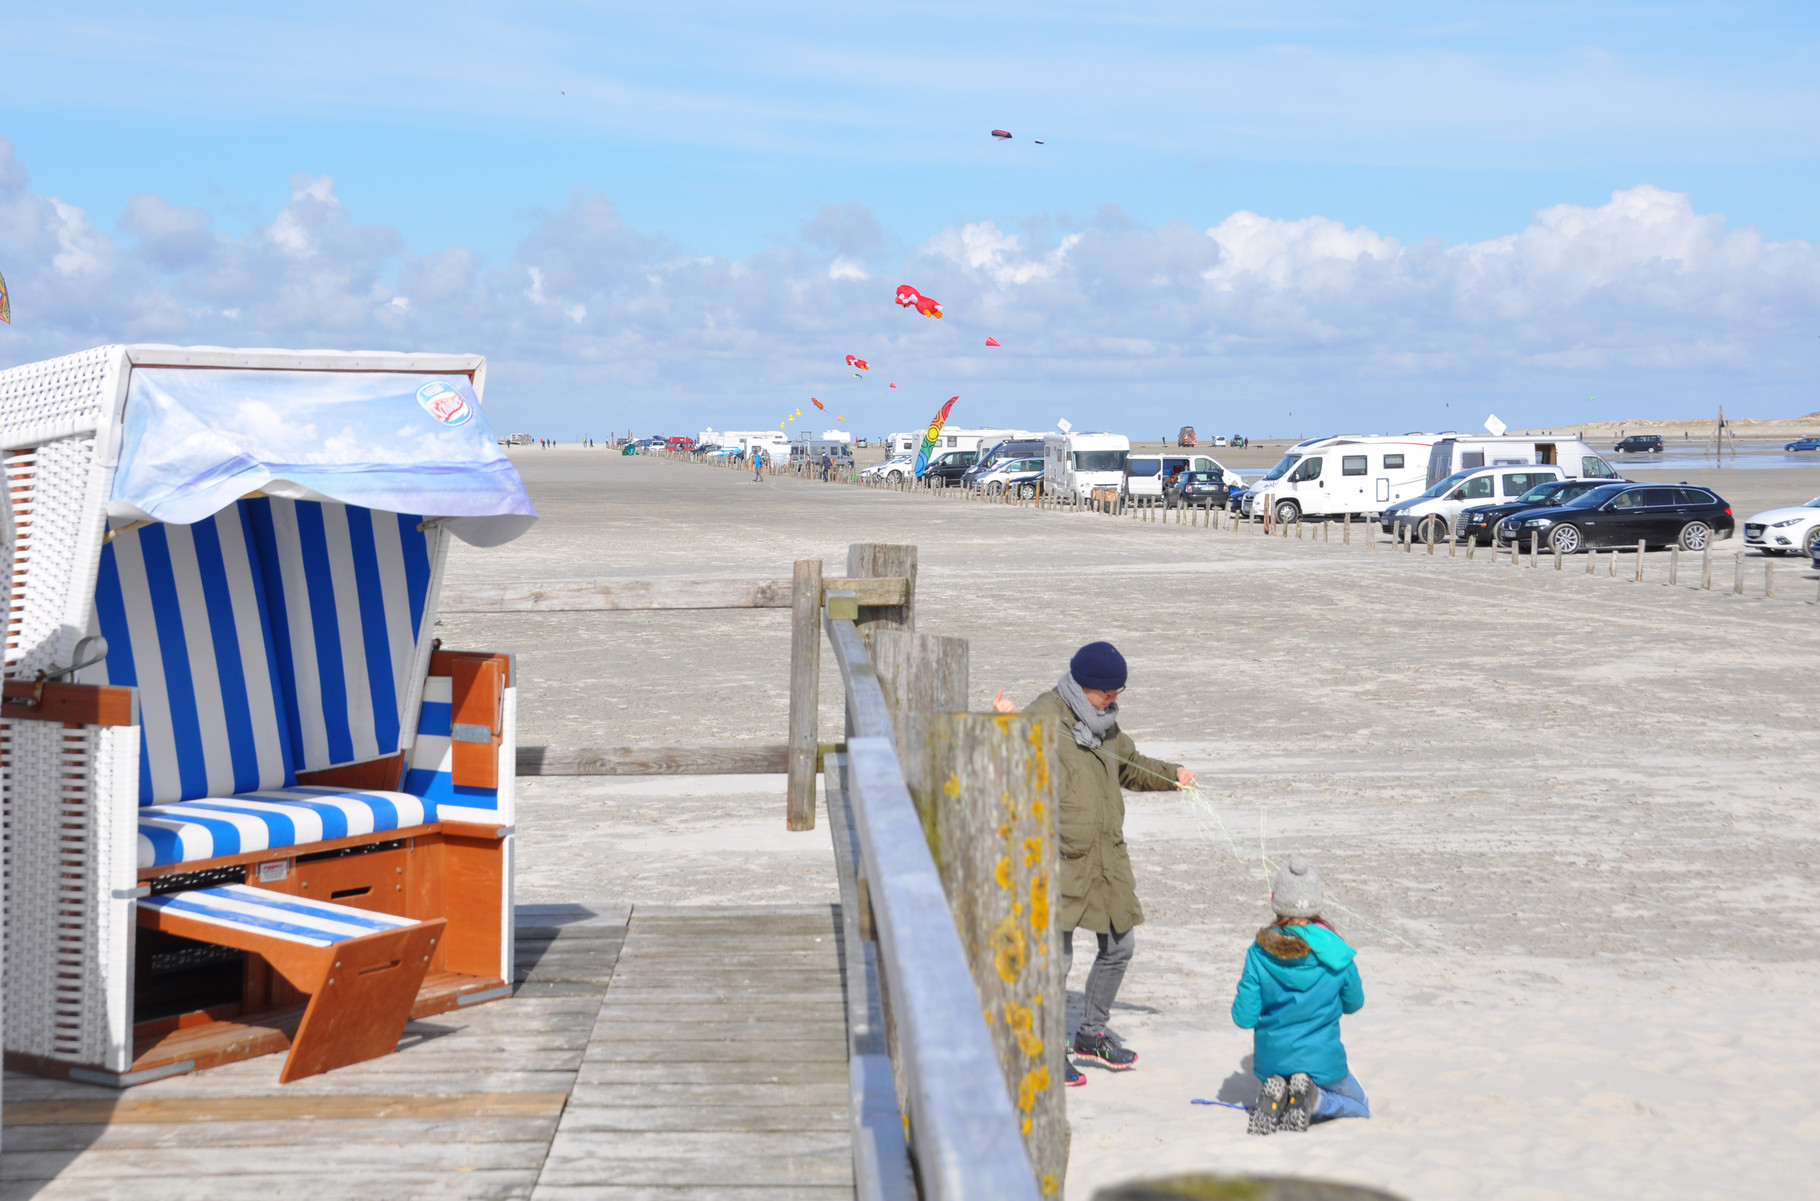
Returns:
<point x="1185" y="778"/>
<point x="1001" y="705"/>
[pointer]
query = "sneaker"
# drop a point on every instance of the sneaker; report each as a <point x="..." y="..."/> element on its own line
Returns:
<point x="1269" y="1109"/>
<point x="1103" y="1047"/>
<point x="1076" y="1077"/>
<point x="1298" y="1110"/>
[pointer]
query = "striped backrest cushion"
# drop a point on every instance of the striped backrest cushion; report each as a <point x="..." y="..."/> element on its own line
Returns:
<point x="346" y="588"/>
<point x="183" y="608"/>
<point x="430" y="774"/>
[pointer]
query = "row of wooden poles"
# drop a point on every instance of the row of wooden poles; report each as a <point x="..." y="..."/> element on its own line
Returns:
<point x="1114" y="503"/>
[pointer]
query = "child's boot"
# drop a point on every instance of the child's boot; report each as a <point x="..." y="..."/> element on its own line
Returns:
<point x="1269" y="1109"/>
<point x="1298" y="1109"/>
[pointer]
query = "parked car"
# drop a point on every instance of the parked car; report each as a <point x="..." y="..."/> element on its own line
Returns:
<point x="1197" y="488"/>
<point x="860" y="443"/>
<point x="1237" y="500"/>
<point x="892" y="471"/>
<point x="1219" y="439"/>
<point x="1640" y="444"/>
<point x="947" y="468"/>
<point x="1780" y="531"/>
<point x="1479" y="523"/>
<point x="991" y="456"/>
<point x="1811" y="442"/>
<point x="1624" y="515"/>
<point x="1185" y="437"/>
<point x="1434" y="511"/>
<point x="1018" y="476"/>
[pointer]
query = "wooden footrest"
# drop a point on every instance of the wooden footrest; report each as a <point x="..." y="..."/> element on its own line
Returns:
<point x="361" y="969"/>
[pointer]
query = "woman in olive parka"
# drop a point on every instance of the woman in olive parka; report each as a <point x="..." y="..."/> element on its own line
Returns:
<point x="1094" y="761"/>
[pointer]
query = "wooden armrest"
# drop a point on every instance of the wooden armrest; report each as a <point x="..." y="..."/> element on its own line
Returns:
<point x="71" y="704"/>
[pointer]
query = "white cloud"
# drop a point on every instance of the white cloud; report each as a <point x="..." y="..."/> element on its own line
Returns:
<point x="1639" y="297"/>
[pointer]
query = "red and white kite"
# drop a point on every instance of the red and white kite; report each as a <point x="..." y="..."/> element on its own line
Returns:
<point x="860" y="363"/>
<point x="910" y="298"/>
<point x="992" y="341"/>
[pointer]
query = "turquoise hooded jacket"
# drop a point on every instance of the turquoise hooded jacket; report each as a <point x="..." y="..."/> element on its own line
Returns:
<point x="1298" y="980"/>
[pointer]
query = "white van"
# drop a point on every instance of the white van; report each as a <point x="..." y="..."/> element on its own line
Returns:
<point x="772" y="442"/>
<point x="1076" y="463"/>
<point x="1457" y="452"/>
<point x="1360" y="474"/>
<point x="897" y="445"/>
<point x="952" y="438"/>
<point x="1145" y="474"/>
<point x="1434" y="511"/>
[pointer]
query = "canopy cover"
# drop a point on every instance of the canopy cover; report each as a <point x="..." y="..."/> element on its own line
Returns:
<point x="193" y="441"/>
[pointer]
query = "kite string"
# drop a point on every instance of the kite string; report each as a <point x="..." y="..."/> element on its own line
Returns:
<point x="1208" y="815"/>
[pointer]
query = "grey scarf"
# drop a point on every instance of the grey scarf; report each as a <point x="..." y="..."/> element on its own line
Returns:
<point x="1094" y="725"/>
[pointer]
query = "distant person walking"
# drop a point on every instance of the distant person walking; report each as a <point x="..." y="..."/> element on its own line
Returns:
<point x="758" y="465"/>
<point x="1094" y="759"/>
<point x="827" y="466"/>
<point x="1299" y="979"/>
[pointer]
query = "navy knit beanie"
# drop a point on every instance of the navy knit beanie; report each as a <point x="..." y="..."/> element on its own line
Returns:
<point x="1098" y="665"/>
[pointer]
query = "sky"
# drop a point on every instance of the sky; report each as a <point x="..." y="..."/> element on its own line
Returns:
<point x="1277" y="220"/>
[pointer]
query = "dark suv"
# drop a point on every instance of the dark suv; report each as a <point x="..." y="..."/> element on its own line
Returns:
<point x="1480" y="522"/>
<point x="1640" y="444"/>
<point x="946" y="469"/>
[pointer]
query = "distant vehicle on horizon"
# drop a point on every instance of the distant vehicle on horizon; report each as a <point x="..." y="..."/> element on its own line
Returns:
<point x="1185" y="437"/>
<point x="1640" y="444"/>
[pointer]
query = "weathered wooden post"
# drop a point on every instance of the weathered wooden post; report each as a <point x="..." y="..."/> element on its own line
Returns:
<point x="1674" y="564"/>
<point x="1472" y="544"/>
<point x="805" y="691"/>
<point x="1557" y="547"/>
<point x="1347" y="539"/>
<point x="1642" y="549"/>
<point x="884" y="560"/>
<point x="1769" y="580"/>
<point x="1738" y="573"/>
<point x="1706" y="567"/>
<point x="1535" y="543"/>
<point x="919" y="673"/>
<point x="982" y="785"/>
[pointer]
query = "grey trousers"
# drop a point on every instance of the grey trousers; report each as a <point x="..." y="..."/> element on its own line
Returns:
<point x="1104" y="978"/>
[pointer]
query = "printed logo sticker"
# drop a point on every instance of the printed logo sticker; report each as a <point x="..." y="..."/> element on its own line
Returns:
<point x="444" y="403"/>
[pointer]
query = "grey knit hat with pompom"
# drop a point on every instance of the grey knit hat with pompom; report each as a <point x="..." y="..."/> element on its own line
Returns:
<point x="1297" y="890"/>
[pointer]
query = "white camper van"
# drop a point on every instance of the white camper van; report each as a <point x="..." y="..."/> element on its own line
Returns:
<point x="1329" y="477"/>
<point x="773" y="442"/>
<point x="1462" y="452"/>
<point x="1077" y="463"/>
<point x="901" y="444"/>
<point x="1145" y="474"/>
<point x="952" y="438"/>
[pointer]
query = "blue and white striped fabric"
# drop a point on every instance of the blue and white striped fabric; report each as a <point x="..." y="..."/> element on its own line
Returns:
<point x="274" y="914"/>
<point x="346" y="588"/>
<point x="271" y="819"/>
<point x="183" y="608"/>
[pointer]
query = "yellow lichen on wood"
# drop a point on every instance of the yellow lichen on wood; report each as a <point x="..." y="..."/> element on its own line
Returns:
<point x="1039" y="906"/>
<point x="1021" y="1021"/>
<point x="1008" y="950"/>
<point x="1003" y="872"/>
<point x="1035" y="1081"/>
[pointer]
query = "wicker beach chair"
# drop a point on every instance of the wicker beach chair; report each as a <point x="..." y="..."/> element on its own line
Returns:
<point x="271" y="768"/>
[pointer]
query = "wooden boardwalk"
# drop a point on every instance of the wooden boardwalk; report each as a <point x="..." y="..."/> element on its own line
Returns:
<point x="662" y="1053"/>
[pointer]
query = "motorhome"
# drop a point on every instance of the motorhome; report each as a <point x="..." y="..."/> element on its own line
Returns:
<point x="836" y="436"/>
<point x="1077" y="463"/>
<point x="901" y="444"/>
<point x="1460" y="452"/>
<point x="975" y="440"/>
<point x="1361" y="474"/>
<point x="1146" y="474"/>
<point x="811" y="450"/>
<point x="773" y="442"/>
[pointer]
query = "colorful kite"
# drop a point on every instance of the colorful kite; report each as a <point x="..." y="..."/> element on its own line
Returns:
<point x="818" y="404"/>
<point x="992" y="341"/>
<point x="860" y="363"/>
<point x="6" y="309"/>
<point x="1003" y="135"/>
<point x="935" y="430"/>
<point x="894" y="385"/>
<point x="910" y="298"/>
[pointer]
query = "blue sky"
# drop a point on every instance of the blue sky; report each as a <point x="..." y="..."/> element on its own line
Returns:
<point x="687" y="181"/>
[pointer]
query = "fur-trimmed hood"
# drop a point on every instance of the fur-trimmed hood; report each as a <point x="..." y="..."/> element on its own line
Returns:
<point x="1312" y="944"/>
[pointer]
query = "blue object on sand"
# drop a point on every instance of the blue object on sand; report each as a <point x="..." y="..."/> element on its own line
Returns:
<point x="1227" y="1104"/>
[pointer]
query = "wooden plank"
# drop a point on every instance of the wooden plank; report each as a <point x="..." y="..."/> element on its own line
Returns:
<point x="756" y="760"/>
<point x="76" y="704"/>
<point x="288" y="1107"/>
<point x="600" y="596"/>
<point x="722" y="1074"/>
<point x="636" y="1117"/>
<point x="375" y="1159"/>
<point x="328" y="1134"/>
<point x="751" y="1095"/>
<point x="715" y="1192"/>
<point x="288" y="1184"/>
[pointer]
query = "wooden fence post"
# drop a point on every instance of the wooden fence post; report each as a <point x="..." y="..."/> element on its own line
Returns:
<point x="805" y="690"/>
<point x="1642" y="549"/>
<point x="1706" y="566"/>
<point x="884" y="560"/>
<point x="919" y="673"/>
<point x="983" y="787"/>
<point x="1674" y="564"/>
<point x="1738" y="573"/>
<point x="1347" y="539"/>
<point x="1769" y="580"/>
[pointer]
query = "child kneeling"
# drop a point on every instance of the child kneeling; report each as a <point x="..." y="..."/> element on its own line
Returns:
<point x="1299" y="978"/>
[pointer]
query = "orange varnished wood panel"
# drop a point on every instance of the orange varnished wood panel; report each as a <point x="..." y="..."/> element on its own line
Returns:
<point x="72" y="704"/>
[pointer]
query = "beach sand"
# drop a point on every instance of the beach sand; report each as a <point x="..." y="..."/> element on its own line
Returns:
<point x="1570" y="818"/>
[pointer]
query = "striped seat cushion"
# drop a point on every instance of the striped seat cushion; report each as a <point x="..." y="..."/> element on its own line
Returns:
<point x="275" y="915"/>
<point x="270" y="819"/>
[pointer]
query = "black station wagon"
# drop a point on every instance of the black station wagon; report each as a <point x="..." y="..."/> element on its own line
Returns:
<point x="1624" y="515"/>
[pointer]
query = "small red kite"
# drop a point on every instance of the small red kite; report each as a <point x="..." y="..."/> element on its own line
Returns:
<point x="860" y="363"/>
<point x="910" y="298"/>
<point x="818" y="404"/>
<point x="992" y="341"/>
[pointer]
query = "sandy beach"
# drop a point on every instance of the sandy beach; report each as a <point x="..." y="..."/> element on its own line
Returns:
<point x="1569" y="817"/>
